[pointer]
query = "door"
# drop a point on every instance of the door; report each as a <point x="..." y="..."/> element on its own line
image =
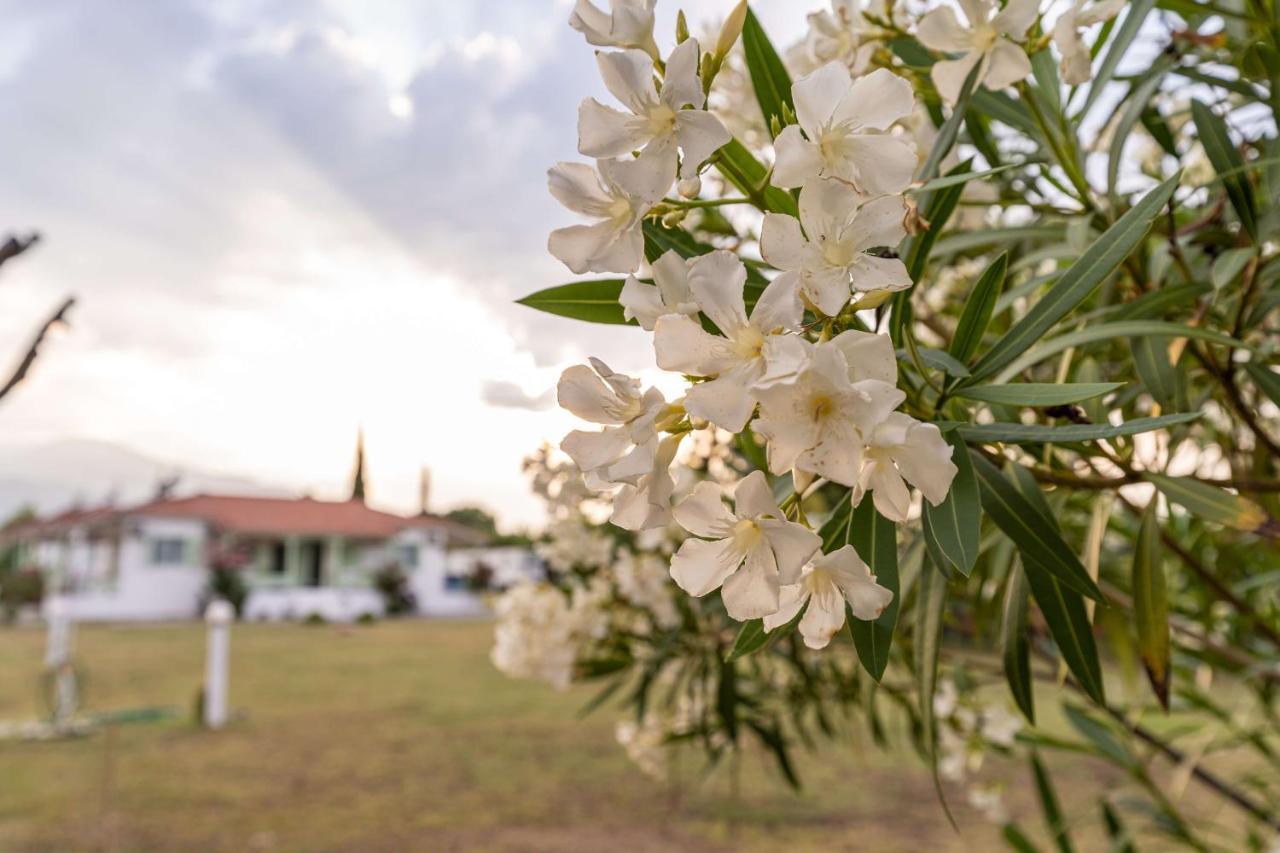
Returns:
<point x="313" y="563"/>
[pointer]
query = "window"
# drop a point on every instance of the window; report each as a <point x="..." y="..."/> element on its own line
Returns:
<point x="407" y="556"/>
<point x="168" y="552"/>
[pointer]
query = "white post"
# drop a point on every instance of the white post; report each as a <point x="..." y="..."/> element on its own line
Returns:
<point x="57" y="658"/>
<point x="219" y="616"/>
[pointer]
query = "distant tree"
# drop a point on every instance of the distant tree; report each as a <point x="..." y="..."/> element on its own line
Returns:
<point x="482" y="521"/>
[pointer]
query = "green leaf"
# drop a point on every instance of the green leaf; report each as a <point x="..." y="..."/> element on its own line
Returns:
<point x="751" y="637"/>
<point x="752" y="449"/>
<point x="1110" y="332"/>
<point x="1158" y="374"/>
<point x="1016" y="644"/>
<point x="1036" y="537"/>
<point x="1016" y="839"/>
<point x="937" y="210"/>
<point x="1210" y="502"/>
<point x="1228" y="266"/>
<point x="727" y="699"/>
<point x="940" y="360"/>
<point x="595" y="301"/>
<point x="1124" y="36"/>
<point x="1136" y="104"/>
<point x="1065" y="433"/>
<point x="950" y="180"/>
<point x="658" y="240"/>
<point x="1045" y="69"/>
<point x="745" y="172"/>
<point x="1151" y="605"/>
<point x="978" y="309"/>
<point x="946" y="138"/>
<point x="1068" y="622"/>
<point x="769" y="76"/>
<point x="1003" y="108"/>
<point x="874" y="537"/>
<point x="1081" y="278"/>
<point x="1212" y="131"/>
<point x="955" y="524"/>
<point x="1121" y="841"/>
<point x="930" y="606"/>
<point x="1053" y="818"/>
<point x="1038" y="393"/>
<point x="1267" y="380"/>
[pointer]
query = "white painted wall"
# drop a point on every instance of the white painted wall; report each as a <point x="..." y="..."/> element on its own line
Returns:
<point x="511" y="564"/>
<point x="333" y="604"/>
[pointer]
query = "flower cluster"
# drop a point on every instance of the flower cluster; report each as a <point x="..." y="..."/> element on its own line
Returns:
<point x="541" y="631"/>
<point x="967" y="730"/>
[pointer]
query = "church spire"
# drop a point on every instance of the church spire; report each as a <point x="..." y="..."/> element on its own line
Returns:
<point x="357" y="479"/>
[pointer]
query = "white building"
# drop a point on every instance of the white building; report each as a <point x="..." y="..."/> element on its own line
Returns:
<point x="493" y="567"/>
<point x="298" y="557"/>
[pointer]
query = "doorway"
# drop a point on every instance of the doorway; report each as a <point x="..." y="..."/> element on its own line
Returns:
<point x="312" y="557"/>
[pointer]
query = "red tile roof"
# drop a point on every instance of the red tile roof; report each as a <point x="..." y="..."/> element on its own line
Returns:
<point x="285" y="516"/>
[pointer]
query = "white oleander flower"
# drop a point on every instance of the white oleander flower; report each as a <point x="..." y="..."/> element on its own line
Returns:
<point x="842" y="131"/>
<point x="644" y="580"/>
<point x="988" y="801"/>
<point x="572" y="544"/>
<point x="669" y="293"/>
<point x="826" y="584"/>
<point x="1077" y="62"/>
<point x="624" y="450"/>
<point x="816" y="421"/>
<point x="844" y="34"/>
<point x="618" y="193"/>
<point x="646" y="504"/>
<point x="628" y="23"/>
<point x="829" y="257"/>
<point x="749" y="551"/>
<point x="958" y="755"/>
<point x="999" y="726"/>
<point x="990" y="41"/>
<point x="670" y="117"/>
<point x="735" y="360"/>
<point x="901" y="448"/>
<point x="541" y="632"/>
<point x="645" y="744"/>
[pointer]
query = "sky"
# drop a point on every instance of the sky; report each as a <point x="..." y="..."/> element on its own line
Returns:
<point x="285" y="221"/>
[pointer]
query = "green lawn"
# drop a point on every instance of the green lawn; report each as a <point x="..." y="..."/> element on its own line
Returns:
<point x="401" y="736"/>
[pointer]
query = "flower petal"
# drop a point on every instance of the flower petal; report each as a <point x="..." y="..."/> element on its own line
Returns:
<point x="837" y="455"/>
<point x="699" y="135"/>
<point x="876" y="100"/>
<point x="889" y="492"/>
<point x="646" y="178"/>
<point x="948" y="75"/>
<point x="825" y="206"/>
<point x="704" y="512"/>
<point x="641" y="302"/>
<point x="726" y="400"/>
<point x="790" y="599"/>
<point x="817" y="95"/>
<point x="753" y="592"/>
<point x="682" y="345"/>
<point x="593" y="450"/>
<point x="827" y="288"/>
<point x="869" y="356"/>
<point x="582" y="392"/>
<point x="700" y="566"/>
<point x="785" y="356"/>
<point x="823" y="620"/>
<point x="606" y="132"/>
<point x="793" y="544"/>
<point x="885" y="164"/>
<point x="1016" y="18"/>
<point x="925" y="460"/>
<point x="782" y="244"/>
<point x="879" y="222"/>
<point x="716" y="280"/>
<point x="577" y="187"/>
<point x="857" y="585"/>
<point x="778" y="307"/>
<point x="941" y="30"/>
<point x="671" y="275"/>
<point x="628" y="75"/>
<point x="1009" y="64"/>
<point x="753" y="499"/>
<point x="795" y="159"/>
<point x="680" y="85"/>
<point x="870" y="273"/>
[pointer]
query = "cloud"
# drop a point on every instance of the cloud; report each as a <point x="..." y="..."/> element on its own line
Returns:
<point x="508" y="395"/>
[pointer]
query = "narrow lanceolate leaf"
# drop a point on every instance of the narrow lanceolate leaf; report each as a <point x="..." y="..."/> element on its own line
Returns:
<point x="1034" y="535"/>
<point x="744" y="171"/>
<point x="928" y="638"/>
<point x="1151" y="359"/>
<point x="751" y="637"/>
<point x="594" y="301"/>
<point x="938" y="208"/>
<point x="658" y="240"/>
<point x="1124" y="36"/>
<point x="978" y="309"/>
<point x="1068" y="622"/>
<point x="1121" y="842"/>
<point x="1038" y="393"/>
<point x="954" y="524"/>
<point x="1135" y="105"/>
<point x="1224" y="156"/>
<point x="1065" y="433"/>
<point x="1053" y="818"/>
<point x="1016" y="645"/>
<point x="950" y="129"/>
<point x="1210" y="502"/>
<point x="1151" y="605"/>
<point x="959" y="178"/>
<point x="769" y="76"/>
<point x="1267" y="380"/>
<point x="1074" y="286"/>
<point x="1109" y="332"/>
<point x="874" y="537"/>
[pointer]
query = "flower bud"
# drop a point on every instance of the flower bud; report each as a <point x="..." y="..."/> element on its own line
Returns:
<point x="731" y="29"/>
<point x="682" y="28"/>
<point x="689" y="187"/>
<point x="673" y="219"/>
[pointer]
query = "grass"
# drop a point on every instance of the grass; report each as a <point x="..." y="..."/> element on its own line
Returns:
<point x="401" y="736"/>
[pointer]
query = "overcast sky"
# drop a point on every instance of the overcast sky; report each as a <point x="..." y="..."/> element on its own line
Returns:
<point x="286" y="219"/>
